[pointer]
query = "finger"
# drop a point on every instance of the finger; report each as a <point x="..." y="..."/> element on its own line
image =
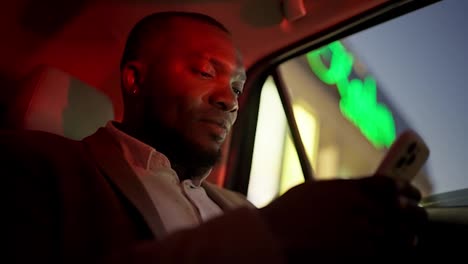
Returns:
<point x="409" y="190"/>
<point x="404" y="202"/>
<point x="380" y="189"/>
<point x="412" y="213"/>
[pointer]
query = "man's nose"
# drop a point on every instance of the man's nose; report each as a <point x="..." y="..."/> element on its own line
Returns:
<point x="224" y="99"/>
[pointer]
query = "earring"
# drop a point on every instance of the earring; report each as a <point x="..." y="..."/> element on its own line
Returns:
<point x="135" y="90"/>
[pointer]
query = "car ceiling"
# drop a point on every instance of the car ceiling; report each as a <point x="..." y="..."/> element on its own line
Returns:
<point x="85" y="38"/>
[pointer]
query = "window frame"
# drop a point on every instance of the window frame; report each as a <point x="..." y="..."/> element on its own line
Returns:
<point x="240" y="149"/>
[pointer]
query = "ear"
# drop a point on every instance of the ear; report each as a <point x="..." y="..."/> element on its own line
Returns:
<point x="132" y="77"/>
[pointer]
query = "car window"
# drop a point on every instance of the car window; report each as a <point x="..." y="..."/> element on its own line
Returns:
<point x="421" y="62"/>
<point x="275" y="162"/>
<point x="352" y="97"/>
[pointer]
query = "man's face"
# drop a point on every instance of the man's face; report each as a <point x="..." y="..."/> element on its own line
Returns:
<point x="194" y="84"/>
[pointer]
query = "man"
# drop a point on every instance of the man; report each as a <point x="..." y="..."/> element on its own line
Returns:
<point x="134" y="192"/>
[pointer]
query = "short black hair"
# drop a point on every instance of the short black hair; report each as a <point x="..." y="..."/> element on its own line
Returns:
<point x="141" y="31"/>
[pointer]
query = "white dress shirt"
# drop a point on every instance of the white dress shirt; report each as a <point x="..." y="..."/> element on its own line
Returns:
<point x="180" y="204"/>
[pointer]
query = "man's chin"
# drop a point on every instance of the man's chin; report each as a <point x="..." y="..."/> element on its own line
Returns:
<point x="207" y="154"/>
<point x="193" y="150"/>
<point x="196" y="151"/>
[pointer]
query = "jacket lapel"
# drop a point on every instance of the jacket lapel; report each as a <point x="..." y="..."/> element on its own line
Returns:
<point x="225" y="199"/>
<point x="109" y="158"/>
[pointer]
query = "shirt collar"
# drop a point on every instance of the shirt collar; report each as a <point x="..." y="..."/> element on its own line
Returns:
<point x="135" y="151"/>
<point x="140" y="154"/>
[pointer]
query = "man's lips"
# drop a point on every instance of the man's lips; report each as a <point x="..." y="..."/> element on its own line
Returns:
<point x="222" y="123"/>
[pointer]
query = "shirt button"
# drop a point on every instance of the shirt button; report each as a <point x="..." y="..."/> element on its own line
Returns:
<point x="189" y="185"/>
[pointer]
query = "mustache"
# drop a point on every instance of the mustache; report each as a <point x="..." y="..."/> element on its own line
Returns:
<point x="222" y="119"/>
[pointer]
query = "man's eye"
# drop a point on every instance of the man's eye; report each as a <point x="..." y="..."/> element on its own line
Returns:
<point x="205" y="74"/>
<point x="237" y="91"/>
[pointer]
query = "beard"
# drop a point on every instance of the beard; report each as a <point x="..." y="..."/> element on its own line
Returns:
<point x="187" y="158"/>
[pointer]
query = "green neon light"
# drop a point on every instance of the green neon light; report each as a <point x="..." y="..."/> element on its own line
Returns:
<point x="358" y="101"/>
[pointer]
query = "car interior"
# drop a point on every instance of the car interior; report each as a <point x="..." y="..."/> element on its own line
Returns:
<point x="60" y="74"/>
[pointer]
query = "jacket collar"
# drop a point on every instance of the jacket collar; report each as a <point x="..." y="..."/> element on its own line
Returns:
<point x="105" y="151"/>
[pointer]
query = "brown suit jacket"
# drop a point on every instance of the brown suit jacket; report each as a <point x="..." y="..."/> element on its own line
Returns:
<point x="79" y="202"/>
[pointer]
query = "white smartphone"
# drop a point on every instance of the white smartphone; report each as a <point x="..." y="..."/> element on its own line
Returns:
<point x="405" y="157"/>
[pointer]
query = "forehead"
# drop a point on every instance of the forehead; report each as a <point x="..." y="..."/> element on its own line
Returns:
<point x="188" y="36"/>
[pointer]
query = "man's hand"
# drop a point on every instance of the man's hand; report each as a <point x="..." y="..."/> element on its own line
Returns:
<point x="344" y="219"/>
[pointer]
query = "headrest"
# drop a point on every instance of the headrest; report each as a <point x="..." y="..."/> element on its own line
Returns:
<point x="52" y="100"/>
